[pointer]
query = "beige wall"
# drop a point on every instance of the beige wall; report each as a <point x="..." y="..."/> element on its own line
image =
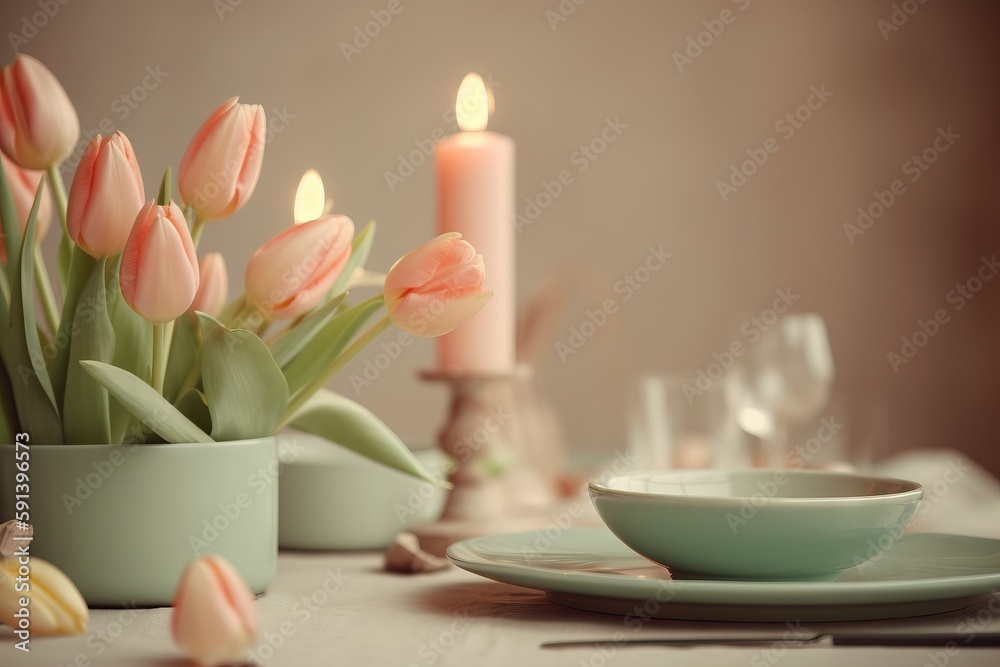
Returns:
<point x="655" y="184"/>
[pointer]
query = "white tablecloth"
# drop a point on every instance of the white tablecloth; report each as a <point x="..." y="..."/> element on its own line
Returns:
<point x="341" y="609"/>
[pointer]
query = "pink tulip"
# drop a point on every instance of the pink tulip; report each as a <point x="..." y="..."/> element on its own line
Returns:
<point x="214" y="286"/>
<point x="105" y="197"/>
<point x="436" y="287"/>
<point x="23" y="185"/>
<point x="159" y="273"/>
<point x="38" y="124"/>
<point x="214" y="619"/>
<point x="219" y="170"/>
<point x="293" y="271"/>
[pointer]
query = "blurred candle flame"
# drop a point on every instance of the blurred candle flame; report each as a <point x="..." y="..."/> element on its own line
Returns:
<point x="472" y="107"/>
<point x="310" y="198"/>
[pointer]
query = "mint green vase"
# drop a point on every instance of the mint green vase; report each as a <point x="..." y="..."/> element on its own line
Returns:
<point x="122" y="521"/>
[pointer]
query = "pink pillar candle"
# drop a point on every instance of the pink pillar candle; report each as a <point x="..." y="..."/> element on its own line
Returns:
<point x="475" y="197"/>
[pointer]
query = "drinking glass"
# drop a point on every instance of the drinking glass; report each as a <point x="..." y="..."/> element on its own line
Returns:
<point x="676" y="423"/>
<point x="782" y="382"/>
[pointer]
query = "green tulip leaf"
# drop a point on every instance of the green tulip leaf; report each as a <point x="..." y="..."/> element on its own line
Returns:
<point x="33" y="395"/>
<point x="290" y="342"/>
<point x="133" y="352"/>
<point x="86" y="408"/>
<point x="353" y="426"/>
<point x="64" y="260"/>
<point x="8" y="412"/>
<point x="142" y="401"/>
<point x="194" y="406"/>
<point x="329" y="342"/>
<point x="79" y="273"/>
<point x="163" y="197"/>
<point x="247" y="394"/>
<point x="360" y="248"/>
<point x="183" y="356"/>
<point x="9" y="227"/>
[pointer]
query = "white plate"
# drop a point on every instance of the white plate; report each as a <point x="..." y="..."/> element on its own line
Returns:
<point x="589" y="568"/>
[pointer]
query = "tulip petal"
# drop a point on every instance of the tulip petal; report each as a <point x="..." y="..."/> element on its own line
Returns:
<point x="159" y="269"/>
<point x="105" y="196"/>
<point x="221" y="165"/>
<point x="293" y="271"/>
<point x="434" y="288"/>
<point x="419" y="265"/>
<point x="213" y="287"/>
<point x="432" y="315"/>
<point x="214" y="619"/>
<point x="38" y="124"/>
<point x="23" y="186"/>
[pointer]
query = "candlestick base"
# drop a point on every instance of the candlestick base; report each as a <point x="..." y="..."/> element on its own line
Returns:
<point x="497" y="485"/>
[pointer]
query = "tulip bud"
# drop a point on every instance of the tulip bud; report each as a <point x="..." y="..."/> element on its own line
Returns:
<point x="220" y="168"/>
<point x="106" y="195"/>
<point x="159" y="270"/>
<point x="436" y="287"/>
<point x="38" y="124"/>
<point x="23" y="185"/>
<point x="214" y="286"/>
<point x="214" y="619"/>
<point x="55" y="604"/>
<point x="293" y="271"/>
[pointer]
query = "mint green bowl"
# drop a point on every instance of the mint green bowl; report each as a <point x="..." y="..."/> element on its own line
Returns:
<point x="756" y="524"/>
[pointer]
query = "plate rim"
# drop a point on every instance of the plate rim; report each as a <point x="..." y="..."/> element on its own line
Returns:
<point x="697" y="591"/>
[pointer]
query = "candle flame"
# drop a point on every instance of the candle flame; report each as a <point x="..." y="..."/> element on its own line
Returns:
<point x="472" y="107"/>
<point x="310" y="199"/>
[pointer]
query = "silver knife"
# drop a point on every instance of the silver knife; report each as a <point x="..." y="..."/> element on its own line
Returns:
<point x="946" y="639"/>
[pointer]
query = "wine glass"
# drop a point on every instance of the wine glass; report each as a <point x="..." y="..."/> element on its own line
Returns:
<point x="782" y="381"/>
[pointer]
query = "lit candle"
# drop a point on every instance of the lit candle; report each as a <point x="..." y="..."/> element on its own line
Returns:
<point x="310" y="198"/>
<point x="475" y="196"/>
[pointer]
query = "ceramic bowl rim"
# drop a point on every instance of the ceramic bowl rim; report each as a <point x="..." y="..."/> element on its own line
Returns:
<point x="912" y="491"/>
<point x="161" y="446"/>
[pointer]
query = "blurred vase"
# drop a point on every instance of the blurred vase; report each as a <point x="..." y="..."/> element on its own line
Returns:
<point x="333" y="499"/>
